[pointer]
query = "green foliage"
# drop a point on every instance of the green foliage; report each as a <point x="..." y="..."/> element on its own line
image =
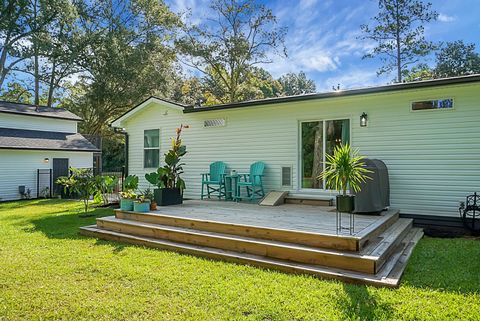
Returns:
<point x="130" y="185"/>
<point x="81" y="182"/>
<point x="237" y="37"/>
<point x="168" y="176"/>
<point x="419" y="72"/>
<point x="399" y="33"/>
<point x="16" y="92"/>
<point x="456" y="59"/>
<point x="104" y="185"/>
<point x="344" y="169"/>
<point x="296" y="84"/>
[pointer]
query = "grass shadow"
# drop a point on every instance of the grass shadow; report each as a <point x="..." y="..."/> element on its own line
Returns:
<point x="66" y="226"/>
<point x="357" y="303"/>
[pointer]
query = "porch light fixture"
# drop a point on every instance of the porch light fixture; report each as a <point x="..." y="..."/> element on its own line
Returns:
<point x="46" y="160"/>
<point x="363" y="120"/>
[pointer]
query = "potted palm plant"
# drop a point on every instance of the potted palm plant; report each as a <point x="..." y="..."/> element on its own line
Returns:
<point x="167" y="178"/>
<point x="130" y="185"/>
<point x="345" y="169"/>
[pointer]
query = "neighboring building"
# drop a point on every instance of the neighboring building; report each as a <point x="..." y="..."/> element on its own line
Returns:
<point x="427" y="133"/>
<point x="37" y="145"/>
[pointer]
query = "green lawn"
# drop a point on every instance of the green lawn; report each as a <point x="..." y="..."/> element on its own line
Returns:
<point x="48" y="271"/>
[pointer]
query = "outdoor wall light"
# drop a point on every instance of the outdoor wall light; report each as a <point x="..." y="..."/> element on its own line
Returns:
<point x="363" y="120"/>
<point x="46" y="160"/>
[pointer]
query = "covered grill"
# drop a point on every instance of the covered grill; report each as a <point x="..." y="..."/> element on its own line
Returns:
<point x="374" y="196"/>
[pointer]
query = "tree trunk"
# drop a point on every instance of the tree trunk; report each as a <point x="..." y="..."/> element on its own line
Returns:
<point x="35" y="59"/>
<point x="51" y="86"/>
<point x="317" y="167"/>
<point x="399" y="58"/>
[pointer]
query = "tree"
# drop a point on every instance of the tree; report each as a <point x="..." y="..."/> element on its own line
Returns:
<point x="456" y="59"/>
<point x="398" y="31"/>
<point x="16" y="92"/>
<point x="128" y="59"/>
<point x="81" y="182"/>
<point x="419" y="72"/>
<point x="238" y="36"/>
<point x="297" y="84"/>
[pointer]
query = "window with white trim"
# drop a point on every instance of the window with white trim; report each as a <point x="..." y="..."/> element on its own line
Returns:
<point x="151" y="148"/>
<point x="432" y="104"/>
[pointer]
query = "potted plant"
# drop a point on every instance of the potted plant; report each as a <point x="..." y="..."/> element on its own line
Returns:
<point x="141" y="204"/>
<point x="167" y="178"/>
<point x="148" y="193"/>
<point x="344" y="169"/>
<point x="130" y="185"/>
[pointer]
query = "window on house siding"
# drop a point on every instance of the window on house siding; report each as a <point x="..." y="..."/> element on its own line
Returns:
<point x="432" y="104"/>
<point x="318" y="139"/>
<point x="151" y="148"/>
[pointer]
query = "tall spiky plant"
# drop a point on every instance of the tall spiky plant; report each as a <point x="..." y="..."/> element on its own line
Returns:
<point x="345" y="168"/>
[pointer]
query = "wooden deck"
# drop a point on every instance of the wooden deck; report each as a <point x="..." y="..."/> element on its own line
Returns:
<point x="294" y="238"/>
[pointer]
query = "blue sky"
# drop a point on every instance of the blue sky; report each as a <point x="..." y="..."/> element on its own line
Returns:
<point x="322" y="36"/>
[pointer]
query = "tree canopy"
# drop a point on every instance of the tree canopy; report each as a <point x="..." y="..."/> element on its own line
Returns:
<point x="398" y="33"/>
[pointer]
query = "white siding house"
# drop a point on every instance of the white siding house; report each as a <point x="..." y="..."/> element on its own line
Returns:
<point x="433" y="153"/>
<point x="37" y="140"/>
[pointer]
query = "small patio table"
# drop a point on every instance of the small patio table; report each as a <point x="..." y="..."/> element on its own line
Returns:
<point x="232" y="191"/>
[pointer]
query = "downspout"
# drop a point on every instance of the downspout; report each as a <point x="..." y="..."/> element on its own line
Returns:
<point x="122" y="131"/>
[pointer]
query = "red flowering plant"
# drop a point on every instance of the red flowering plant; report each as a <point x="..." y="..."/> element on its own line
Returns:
<point x="168" y="176"/>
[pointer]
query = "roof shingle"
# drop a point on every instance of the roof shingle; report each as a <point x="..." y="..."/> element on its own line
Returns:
<point x="41" y="140"/>
<point x="40" y="111"/>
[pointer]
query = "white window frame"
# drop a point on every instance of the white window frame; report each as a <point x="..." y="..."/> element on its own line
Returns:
<point x="151" y="148"/>
<point x="433" y="109"/>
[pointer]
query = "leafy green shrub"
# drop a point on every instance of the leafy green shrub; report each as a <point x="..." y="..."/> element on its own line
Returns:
<point x="130" y="185"/>
<point x="104" y="185"/>
<point x="81" y="182"/>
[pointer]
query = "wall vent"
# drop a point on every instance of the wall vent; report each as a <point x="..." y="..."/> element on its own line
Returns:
<point x="220" y="122"/>
<point x="286" y="176"/>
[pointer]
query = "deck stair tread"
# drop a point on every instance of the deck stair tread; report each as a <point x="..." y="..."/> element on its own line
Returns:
<point x="368" y="260"/>
<point x="309" y="197"/>
<point x="295" y="234"/>
<point x="389" y="275"/>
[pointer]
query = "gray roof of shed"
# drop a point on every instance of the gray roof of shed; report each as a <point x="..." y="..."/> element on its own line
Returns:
<point x="40" y="140"/>
<point x="39" y="111"/>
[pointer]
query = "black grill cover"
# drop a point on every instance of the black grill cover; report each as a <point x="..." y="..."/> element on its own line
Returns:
<point x="374" y="196"/>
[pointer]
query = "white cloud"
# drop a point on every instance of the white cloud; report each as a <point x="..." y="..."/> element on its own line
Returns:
<point x="446" y="18"/>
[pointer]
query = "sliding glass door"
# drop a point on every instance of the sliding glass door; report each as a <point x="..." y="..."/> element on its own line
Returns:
<point x="319" y="138"/>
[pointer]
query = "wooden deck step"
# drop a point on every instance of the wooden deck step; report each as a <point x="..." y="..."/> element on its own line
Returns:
<point x="389" y="275"/>
<point x="323" y="240"/>
<point x="387" y="242"/>
<point x="274" y="249"/>
<point x="306" y="199"/>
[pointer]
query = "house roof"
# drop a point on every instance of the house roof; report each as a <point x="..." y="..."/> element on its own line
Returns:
<point x="343" y="93"/>
<point x="326" y="95"/>
<point x="147" y="101"/>
<point x="38" y="111"/>
<point x="41" y="140"/>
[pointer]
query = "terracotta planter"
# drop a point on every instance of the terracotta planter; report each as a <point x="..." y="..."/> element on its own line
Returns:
<point x="153" y="206"/>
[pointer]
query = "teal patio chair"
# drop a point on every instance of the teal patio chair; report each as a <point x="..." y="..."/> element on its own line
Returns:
<point x="253" y="181"/>
<point x="214" y="180"/>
